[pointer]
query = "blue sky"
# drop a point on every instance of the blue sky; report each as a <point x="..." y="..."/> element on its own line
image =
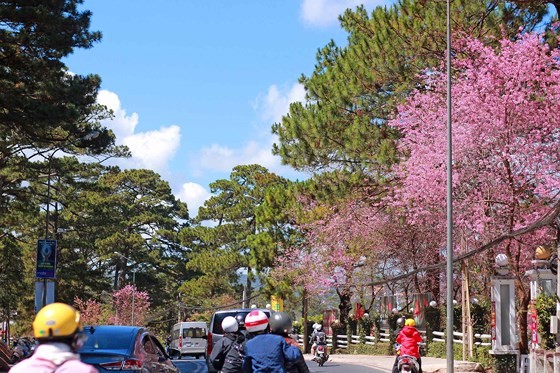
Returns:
<point x="196" y="85"/>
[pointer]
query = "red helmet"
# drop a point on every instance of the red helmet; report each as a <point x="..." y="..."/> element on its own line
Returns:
<point x="256" y="321"/>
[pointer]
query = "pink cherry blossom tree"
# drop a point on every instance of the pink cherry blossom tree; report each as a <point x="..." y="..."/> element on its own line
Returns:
<point x="506" y="141"/>
<point x="91" y="311"/>
<point x="123" y="304"/>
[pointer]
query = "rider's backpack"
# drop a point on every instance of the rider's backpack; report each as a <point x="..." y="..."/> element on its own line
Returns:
<point x="235" y="353"/>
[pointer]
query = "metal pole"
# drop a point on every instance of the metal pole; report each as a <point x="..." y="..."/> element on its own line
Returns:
<point x="449" y="337"/>
<point x="47" y="218"/>
<point x="133" y="291"/>
<point x="557" y="349"/>
<point x="91" y="135"/>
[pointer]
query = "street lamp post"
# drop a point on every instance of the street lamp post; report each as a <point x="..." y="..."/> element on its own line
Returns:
<point x="449" y="327"/>
<point x="90" y="136"/>
<point x="133" y="283"/>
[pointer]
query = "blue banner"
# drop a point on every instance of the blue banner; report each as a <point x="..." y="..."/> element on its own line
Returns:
<point x="46" y="259"/>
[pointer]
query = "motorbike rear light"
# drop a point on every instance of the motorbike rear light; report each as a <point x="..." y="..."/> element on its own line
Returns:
<point x="128" y="364"/>
<point x="320" y="348"/>
<point x="209" y="345"/>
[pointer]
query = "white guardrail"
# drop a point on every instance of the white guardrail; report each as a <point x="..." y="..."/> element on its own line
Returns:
<point x="343" y="341"/>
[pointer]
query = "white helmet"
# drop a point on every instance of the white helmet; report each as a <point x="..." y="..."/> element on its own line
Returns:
<point x="229" y="325"/>
<point x="256" y="321"/>
<point x="317" y="326"/>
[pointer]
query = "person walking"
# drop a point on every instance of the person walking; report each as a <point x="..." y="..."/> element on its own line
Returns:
<point x="56" y="327"/>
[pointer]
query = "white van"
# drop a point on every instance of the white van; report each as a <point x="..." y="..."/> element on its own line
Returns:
<point x="189" y="339"/>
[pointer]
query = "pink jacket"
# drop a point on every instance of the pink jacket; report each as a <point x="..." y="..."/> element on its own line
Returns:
<point x="49" y="356"/>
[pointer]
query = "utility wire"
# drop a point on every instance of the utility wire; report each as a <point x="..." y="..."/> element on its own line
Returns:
<point x="547" y="219"/>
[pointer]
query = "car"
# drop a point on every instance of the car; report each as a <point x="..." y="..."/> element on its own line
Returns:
<point x="112" y="348"/>
<point x="188" y="338"/>
<point x="215" y="332"/>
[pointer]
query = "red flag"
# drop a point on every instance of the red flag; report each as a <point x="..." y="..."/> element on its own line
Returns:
<point x="360" y="311"/>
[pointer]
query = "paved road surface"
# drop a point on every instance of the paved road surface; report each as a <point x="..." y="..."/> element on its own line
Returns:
<point x="191" y="365"/>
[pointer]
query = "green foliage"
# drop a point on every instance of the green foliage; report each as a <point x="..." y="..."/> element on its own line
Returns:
<point x="297" y="327"/>
<point x="504" y="363"/>
<point x="356" y="88"/>
<point x="546" y="307"/>
<point x="433" y="321"/>
<point x="42" y="106"/>
<point x="439" y="350"/>
<point x="380" y="348"/>
<point x="240" y="227"/>
<point x="315" y="319"/>
<point x="480" y="353"/>
<point x="480" y="315"/>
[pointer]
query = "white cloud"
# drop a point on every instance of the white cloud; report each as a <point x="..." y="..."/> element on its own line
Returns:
<point x="151" y="149"/>
<point x="122" y="125"/>
<point x="154" y="149"/>
<point x="223" y="159"/>
<point x="270" y="107"/>
<point x="194" y="195"/>
<point x="325" y="12"/>
<point x="277" y="103"/>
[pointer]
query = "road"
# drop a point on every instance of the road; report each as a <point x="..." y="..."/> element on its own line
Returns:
<point x="191" y="365"/>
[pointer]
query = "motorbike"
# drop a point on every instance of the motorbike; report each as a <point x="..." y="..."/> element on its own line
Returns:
<point x="21" y="350"/>
<point x="321" y="354"/>
<point x="408" y="364"/>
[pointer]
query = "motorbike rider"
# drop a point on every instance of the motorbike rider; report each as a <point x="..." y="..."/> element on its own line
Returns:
<point x="281" y="324"/>
<point x="319" y="337"/>
<point x="56" y="327"/>
<point x="408" y="338"/>
<point x="227" y="355"/>
<point x="240" y="317"/>
<point x="266" y="352"/>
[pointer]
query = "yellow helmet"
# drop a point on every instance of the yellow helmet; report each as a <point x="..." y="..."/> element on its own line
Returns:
<point x="56" y="320"/>
<point x="410" y="322"/>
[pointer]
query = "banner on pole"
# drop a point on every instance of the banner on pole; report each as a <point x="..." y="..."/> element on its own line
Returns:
<point x="46" y="259"/>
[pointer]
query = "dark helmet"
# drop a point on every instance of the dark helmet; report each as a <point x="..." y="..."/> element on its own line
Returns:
<point x="240" y="320"/>
<point x="400" y="322"/>
<point x="280" y="322"/>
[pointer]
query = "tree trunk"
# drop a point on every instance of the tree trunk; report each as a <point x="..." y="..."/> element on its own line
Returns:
<point x="345" y="305"/>
<point x="525" y="299"/>
<point x="248" y="286"/>
<point x="306" y="347"/>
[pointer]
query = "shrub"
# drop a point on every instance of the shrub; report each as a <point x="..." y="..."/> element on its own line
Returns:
<point x="363" y="349"/>
<point x="504" y="363"/>
<point x="481" y="354"/>
<point x="546" y="307"/>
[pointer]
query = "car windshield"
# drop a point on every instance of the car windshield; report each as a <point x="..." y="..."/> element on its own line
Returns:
<point x="193" y="333"/>
<point x="107" y="339"/>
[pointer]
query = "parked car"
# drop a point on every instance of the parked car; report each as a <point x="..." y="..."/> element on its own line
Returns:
<point x="215" y="332"/>
<point x="115" y="347"/>
<point x="188" y="338"/>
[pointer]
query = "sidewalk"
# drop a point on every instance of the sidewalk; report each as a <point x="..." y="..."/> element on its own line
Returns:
<point x="385" y="363"/>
